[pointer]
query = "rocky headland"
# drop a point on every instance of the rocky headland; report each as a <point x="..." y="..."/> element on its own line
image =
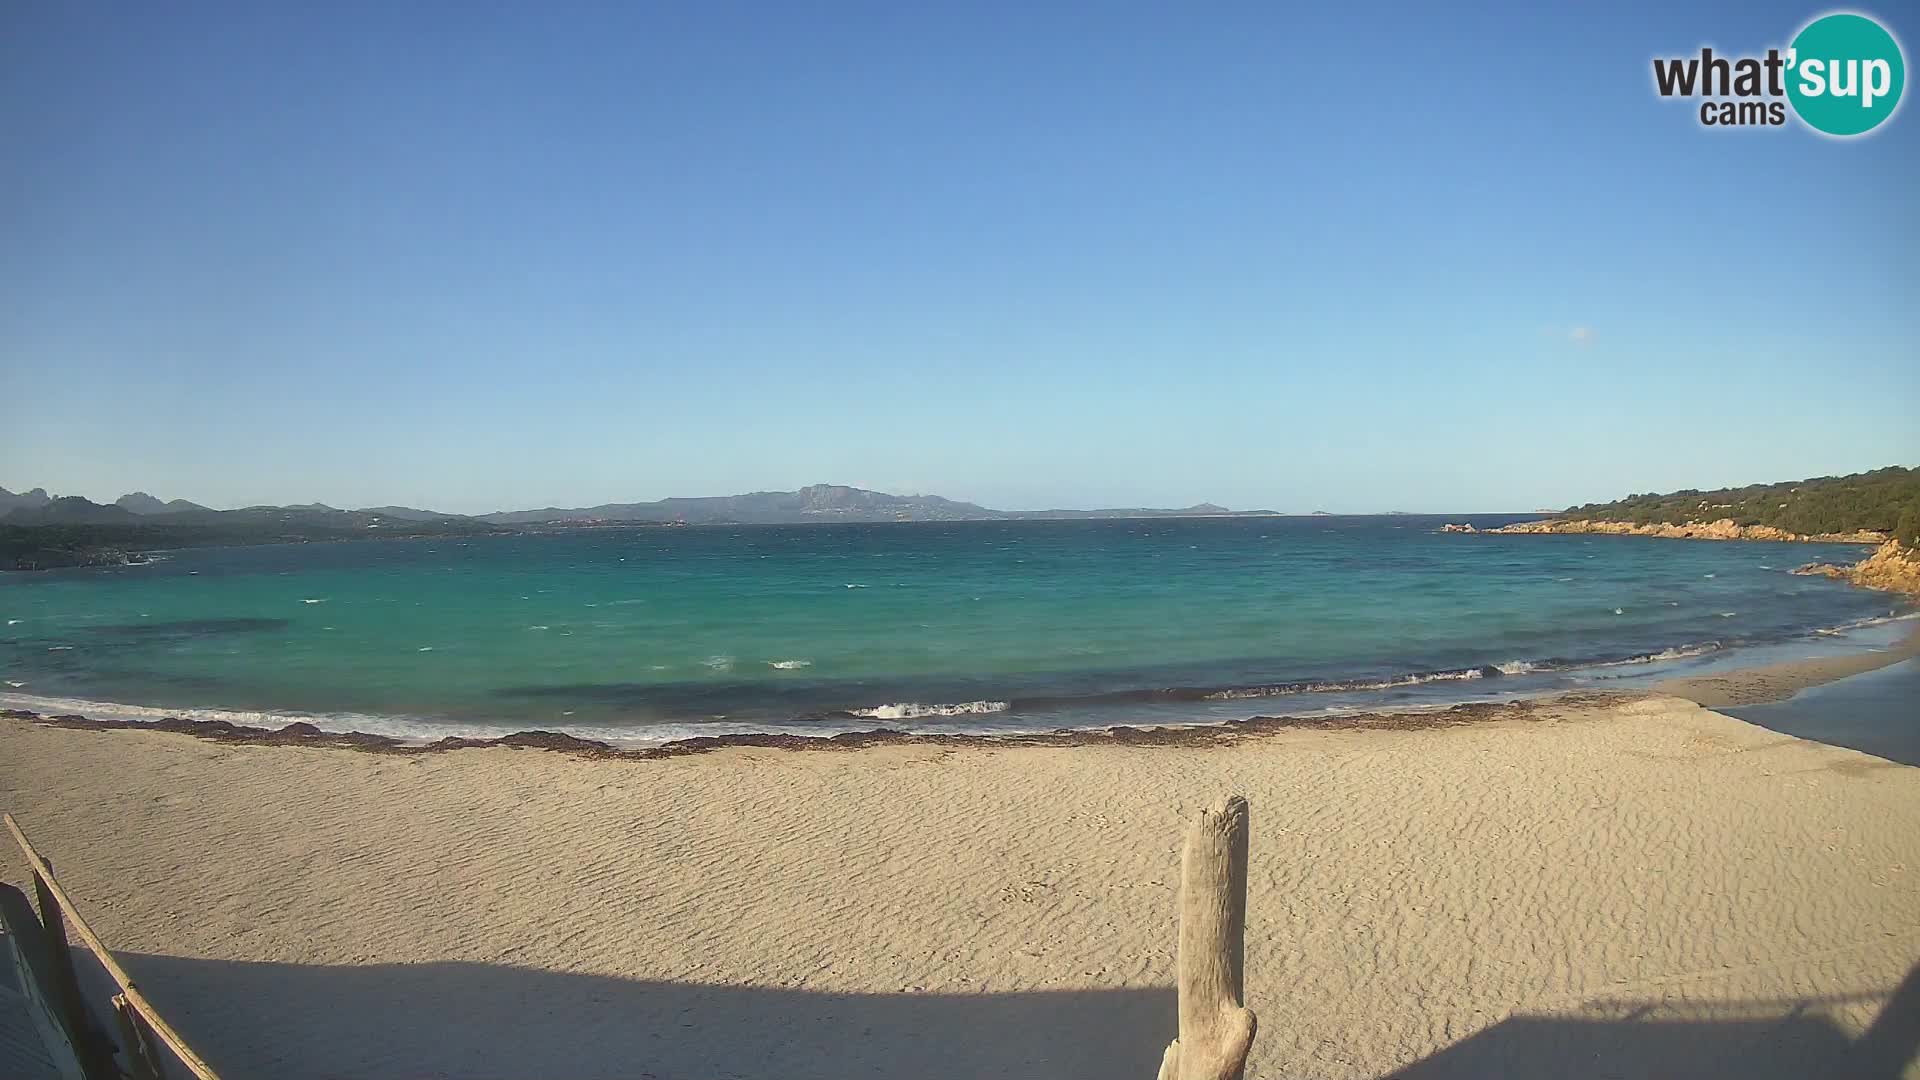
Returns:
<point x="1893" y="567"/>
<point x="1722" y="529"/>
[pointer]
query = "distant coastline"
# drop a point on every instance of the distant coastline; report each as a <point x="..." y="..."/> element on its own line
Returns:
<point x="1881" y="507"/>
<point x="1721" y="529"/>
<point x="40" y="531"/>
<point x="1891" y="567"/>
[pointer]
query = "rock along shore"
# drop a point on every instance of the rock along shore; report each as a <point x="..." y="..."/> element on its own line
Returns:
<point x="1891" y="568"/>
<point x="1723" y="529"/>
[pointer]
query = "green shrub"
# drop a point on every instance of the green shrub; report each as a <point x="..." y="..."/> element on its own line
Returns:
<point x="1884" y="500"/>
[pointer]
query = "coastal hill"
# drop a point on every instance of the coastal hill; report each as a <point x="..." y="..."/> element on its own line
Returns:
<point x="72" y="531"/>
<point x="140" y="502"/>
<point x="1881" y="507"/>
<point x="1884" y="501"/>
<point x="823" y="502"/>
<point x="26" y="500"/>
<point x="830" y="502"/>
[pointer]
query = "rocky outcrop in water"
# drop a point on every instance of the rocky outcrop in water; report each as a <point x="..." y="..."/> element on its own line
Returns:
<point x="1891" y="568"/>
<point x="1723" y="529"/>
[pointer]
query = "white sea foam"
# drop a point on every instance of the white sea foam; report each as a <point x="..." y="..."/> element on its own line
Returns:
<point x="539" y="627"/>
<point x="719" y="663"/>
<point x="1678" y="652"/>
<point x="1243" y="693"/>
<point x="1516" y="667"/>
<point x="1871" y="620"/>
<point x="321" y="600"/>
<point x="108" y="710"/>
<point x="13" y="622"/>
<point x="59" y="648"/>
<point x="910" y="710"/>
<point x="789" y="665"/>
<point x="424" y="648"/>
<point x="415" y="729"/>
<point x="851" y="585"/>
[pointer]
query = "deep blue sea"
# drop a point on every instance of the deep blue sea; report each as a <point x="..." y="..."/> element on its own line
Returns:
<point x="659" y="633"/>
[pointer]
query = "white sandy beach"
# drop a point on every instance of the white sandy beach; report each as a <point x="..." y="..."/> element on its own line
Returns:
<point x="1648" y="889"/>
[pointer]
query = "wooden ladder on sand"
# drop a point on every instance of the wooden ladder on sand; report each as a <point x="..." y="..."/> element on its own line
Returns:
<point x="46" y="989"/>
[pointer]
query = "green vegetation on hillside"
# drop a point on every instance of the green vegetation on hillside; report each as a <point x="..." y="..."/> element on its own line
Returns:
<point x="1884" y="500"/>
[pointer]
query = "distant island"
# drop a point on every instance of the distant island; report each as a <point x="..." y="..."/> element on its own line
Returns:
<point x="825" y="502"/>
<point x="41" y="531"/>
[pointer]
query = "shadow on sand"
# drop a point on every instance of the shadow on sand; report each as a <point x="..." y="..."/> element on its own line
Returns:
<point x="1782" y="1041"/>
<point x="483" y="1021"/>
<point x="477" y="1021"/>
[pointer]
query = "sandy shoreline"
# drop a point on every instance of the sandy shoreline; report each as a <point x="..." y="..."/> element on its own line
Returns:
<point x="1643" y="884"/>
<point x="1775" y="682"/>
<point x="1744" y="686"/>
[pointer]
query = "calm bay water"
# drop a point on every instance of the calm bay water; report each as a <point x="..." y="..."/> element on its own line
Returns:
<point x="659" y="633"/>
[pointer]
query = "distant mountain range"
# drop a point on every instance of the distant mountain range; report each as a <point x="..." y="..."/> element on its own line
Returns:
<point x="818" y="502"/>
<point x="29" y="500"/>
<point x="135" y="502"/>
<point x="822" y="502"/>
<point x="40" y="531"/>
<point x="140" y="502"/>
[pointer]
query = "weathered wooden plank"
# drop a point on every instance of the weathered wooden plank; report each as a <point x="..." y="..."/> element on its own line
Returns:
<point x="31" y="962"/>
<point x="133" y="1042"/>
<point x="23" y="1049"/>
<point x="96" y="1057"/>
<point x="162" y="1031"/>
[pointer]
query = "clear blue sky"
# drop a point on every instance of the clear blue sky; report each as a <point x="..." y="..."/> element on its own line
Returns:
<point x="475" y="256"/>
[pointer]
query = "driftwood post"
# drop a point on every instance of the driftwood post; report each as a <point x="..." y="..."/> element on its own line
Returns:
<point x="1216" y="1029"/>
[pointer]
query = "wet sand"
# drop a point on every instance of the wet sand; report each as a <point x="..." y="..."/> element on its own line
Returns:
<point x="1877" y="712"/>
<point x="1777" y="682"/>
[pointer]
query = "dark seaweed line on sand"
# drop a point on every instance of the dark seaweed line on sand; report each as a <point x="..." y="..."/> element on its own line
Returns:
<point x="1222" y="734"/>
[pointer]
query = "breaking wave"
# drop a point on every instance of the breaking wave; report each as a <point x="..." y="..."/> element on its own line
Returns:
<point x="913" y="710"/>
<point x="1321" y="687"/>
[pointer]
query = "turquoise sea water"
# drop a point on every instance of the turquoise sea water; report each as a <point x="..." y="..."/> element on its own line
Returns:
<point x="663" y="632"/>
